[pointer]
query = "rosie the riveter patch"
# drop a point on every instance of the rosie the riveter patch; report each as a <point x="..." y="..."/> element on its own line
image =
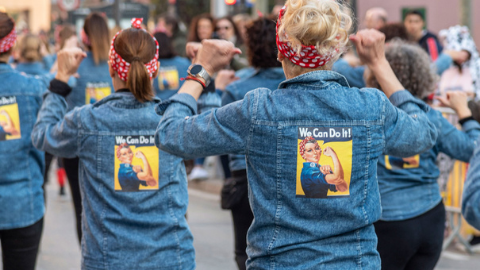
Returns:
<point x="136" y="163"/>
<point x="9" y="119"/>
<point x="96" y="91"/>
<point x="324" y="162"/>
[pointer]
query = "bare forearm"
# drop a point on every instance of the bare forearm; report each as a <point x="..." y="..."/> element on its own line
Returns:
<point x="386" y="77"/>
<point x="192" y="88"/>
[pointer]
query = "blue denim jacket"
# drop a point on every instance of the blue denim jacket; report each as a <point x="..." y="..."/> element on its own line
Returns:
<point x="93" y="84"/>
<point x="35" y="68"/>
<point x="168" y="81"/>
<point x="408" y="187"/>
<point x="125" y="225"/>
<point x="267" y="78"/>
<point x="291" y="231"/>
<point x="471" y="190"/>
<point x="21" y="194"/>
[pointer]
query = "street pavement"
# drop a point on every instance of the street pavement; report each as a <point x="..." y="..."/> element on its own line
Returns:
<point x="211" y="227"/>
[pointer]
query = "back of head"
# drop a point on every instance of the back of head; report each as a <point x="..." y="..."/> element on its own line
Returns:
<point x="66" y="32"/>
<point x="137" y="48"/>
<point x="96" y="30"/>
<point x="29" y="48"/>
<point x="376" y="17"/>
<point x="166" y="49"/>
<point x="324" y="24"/>
<point x="394" y="31"/>
<point x="411" y="65"/>
<point x="261" y="48"/>
<point x="6" y="27"/>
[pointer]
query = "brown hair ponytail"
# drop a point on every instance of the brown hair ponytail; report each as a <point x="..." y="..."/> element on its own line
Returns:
<point x="96" y="29"/>
<point x="137" y="47"/>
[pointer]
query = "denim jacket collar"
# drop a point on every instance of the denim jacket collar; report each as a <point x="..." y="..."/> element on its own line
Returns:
<point x="124" y="100"/>
<point x="270" y="72"/>
<point x="5" y="68"/>
<point x="316" y="78"/>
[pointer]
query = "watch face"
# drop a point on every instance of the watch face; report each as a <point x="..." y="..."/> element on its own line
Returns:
<point x="196" y="69"/>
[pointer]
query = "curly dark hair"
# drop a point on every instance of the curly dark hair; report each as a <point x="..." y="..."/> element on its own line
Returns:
<point x="411" y="65"/>
<point x="261" y="44"/>
<point x="394" y="30"/>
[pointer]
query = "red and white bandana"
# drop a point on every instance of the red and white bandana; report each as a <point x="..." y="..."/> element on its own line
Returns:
<point x="121" y="66"/>
<point x="308" y="57"/>
<point x="8" y="41"/>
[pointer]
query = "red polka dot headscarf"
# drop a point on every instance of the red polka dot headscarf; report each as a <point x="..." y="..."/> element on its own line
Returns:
<point x="7" y="42"/>
<point x="121" y="66"/>
<point x="309" y="57"/>
<point x="302" y="144"/>
<point x="120" y="147"/>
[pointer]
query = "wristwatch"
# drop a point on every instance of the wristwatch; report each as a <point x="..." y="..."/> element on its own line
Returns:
<point x="199" y="72"/>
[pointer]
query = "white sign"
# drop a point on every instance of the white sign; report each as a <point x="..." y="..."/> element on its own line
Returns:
<point x="68" y="5"/>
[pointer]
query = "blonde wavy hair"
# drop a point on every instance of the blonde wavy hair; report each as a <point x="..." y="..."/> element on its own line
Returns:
<point x="324" y="24"/>
<point x="29" y="48"/>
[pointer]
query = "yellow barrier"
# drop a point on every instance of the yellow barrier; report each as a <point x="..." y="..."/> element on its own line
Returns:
<point x="452" y="197"/>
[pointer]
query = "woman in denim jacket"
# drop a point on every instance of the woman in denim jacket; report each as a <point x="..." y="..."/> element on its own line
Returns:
<point x="134" y="195"/>
<point x="21" y="167"/>
<point x="410" y="230"/>
<point x="290" y="231"/>
<point x="93" y="84"/>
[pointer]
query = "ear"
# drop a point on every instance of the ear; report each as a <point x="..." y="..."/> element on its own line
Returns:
<point x="111" y="71"/>
<point x="155" y="74"/>
<point x="280" y="56"/>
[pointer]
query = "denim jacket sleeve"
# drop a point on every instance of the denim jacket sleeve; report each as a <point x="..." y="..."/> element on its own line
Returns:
<point x="53" y="132"/>
<point x="228" y="125"/>
<point x="455" y="143"/>
<point x="443" y="62"/>
<point x="471" y="191"/>
<point x="407" y="129"/>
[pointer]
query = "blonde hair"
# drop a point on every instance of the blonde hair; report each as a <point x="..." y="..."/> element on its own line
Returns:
<point x="324" y="24"/>
<point x="29" y="48"/>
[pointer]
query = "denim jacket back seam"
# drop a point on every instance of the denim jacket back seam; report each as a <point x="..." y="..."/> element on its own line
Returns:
<point x="172" y="214"/>
<point x="365" y="193"/>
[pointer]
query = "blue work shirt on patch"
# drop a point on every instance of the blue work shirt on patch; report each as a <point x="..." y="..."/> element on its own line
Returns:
<point x="121" y="230"/>
<point x="21" y="166"/>
<point x="128" y="178"/>
<point x="291" y="232"/>
<point x="313" y="181"/>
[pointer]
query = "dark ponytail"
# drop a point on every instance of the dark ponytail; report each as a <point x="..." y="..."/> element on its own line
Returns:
<point x="137" y="47"/>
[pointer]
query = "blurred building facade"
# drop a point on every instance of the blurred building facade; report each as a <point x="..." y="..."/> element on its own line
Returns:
<point x="34" y="15"/>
